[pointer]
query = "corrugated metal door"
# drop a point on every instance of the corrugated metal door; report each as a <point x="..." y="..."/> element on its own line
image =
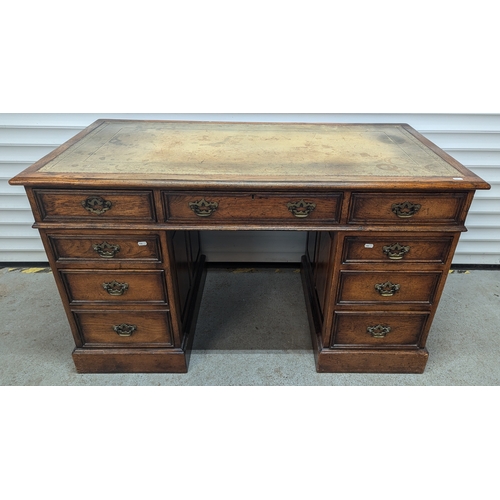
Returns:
<point x="474" y="140"/>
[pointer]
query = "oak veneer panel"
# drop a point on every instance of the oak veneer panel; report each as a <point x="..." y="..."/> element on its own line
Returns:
<point x="435" y="208"/>
<point x="351" y="329"/>
<point x="181" y="256"/>
<point x="423" y="248"/>
<point x="139" y="286"/>
<point x="135" y="248"/>
<point x="357" y="287"/>
<point x="321" y="269"/>
<point x="58" y="205"/>
<point x="252" y="207"/>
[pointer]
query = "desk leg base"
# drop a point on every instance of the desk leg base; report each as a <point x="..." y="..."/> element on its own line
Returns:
<point x="366" y="361"/>
<point x="130" y="361"/>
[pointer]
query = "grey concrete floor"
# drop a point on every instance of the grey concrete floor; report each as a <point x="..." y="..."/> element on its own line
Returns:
<point x="246" y="337"/>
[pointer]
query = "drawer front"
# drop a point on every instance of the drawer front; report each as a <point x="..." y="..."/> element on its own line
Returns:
<point x="385" y="286"/>
<point x="95" y="206"/>
<point x="397" y="248"/>
<point x="125" y="328"/>
<point x="106" y="248"/>
<point x="362" y="329"/>
<point x="407" y="208"/>
<point x="208" y="208"/>
<point x="115" y="286"/>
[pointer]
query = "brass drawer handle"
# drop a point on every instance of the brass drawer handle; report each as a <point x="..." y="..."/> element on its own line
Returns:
<point x="378" y="331"/>
<point x="387" y="289"/>
<point x="203" y="208"/>
<point x="96" y="205"/>
<point x="106" y="250"/>
<point x="396" y="251"/>
<point x="115" y="288"/>
<point x="405" y="210"/>
<point x="124" y="330"/>
<point x="301" y="208"/>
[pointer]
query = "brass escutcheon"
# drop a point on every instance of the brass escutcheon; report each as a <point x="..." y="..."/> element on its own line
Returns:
<point x="301" y="208"/>
<point x="106" y="250"/>
<point x="396" y="251"/>
<point x="96" y="205"/>
<point x="378" y="331"/>
<point x="124" y="330"/>
<point x="406" y="209"/>
<point x="115" y="288"/>
<point x="387" y="289"/>
<point x="203" y="208"/>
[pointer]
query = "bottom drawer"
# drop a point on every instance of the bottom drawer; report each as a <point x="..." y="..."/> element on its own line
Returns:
<point x="371" y="329"/>
<point x="125" y="328"/>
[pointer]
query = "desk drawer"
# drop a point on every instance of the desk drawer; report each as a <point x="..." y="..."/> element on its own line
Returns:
<point x="407" y="208"/>
<point x="365" y="287"/>
<point x="95" y="205"/>
<point x="372" y="329"/>
<point x="115" y="286"/>
<point x="397" y="248"/>
<point x="105" y="248"/>
<point x="208" y="208"/>
<point x="125" y="328"/>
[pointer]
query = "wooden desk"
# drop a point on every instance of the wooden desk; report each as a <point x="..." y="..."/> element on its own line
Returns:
<point x="119" y="208"/>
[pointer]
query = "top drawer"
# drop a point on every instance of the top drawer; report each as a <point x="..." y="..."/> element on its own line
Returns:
<point x="407" y="208"/>
<point x="397" y="247"/>
<point x="96" y="205"/>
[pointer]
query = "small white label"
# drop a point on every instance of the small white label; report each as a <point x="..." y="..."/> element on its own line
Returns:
<point x="368" y="245"/>
<point x="142" y="243"/>
<point x="458" y="178"/>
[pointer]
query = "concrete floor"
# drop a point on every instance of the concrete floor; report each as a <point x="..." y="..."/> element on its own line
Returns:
<point x="246" y="337"/>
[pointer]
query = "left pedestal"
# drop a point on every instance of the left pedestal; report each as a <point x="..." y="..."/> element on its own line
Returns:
<point x="130" y="289"/>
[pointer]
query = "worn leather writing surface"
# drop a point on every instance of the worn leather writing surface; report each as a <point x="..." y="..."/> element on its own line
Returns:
<point x="259" y="151"/>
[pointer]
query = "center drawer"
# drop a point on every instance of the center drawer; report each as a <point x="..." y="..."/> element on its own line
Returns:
<point x="115" y="286"/>
<point x="208" y="208"/>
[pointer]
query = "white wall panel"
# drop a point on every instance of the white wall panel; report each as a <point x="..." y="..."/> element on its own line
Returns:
<point x="473" y="140"/>
<point x="482" y="219"/>
<point x="485" y="205"/>
<point x="479" y="141"/>
<point x="47" y="136"/>
<point x="13" y="201"/>
<point x="10" y="217"/>
<point x="24" y="153"/>
<point x="471" y="157"/>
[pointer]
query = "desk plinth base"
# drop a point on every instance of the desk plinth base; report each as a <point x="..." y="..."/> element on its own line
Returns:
<point x="130" y="361"/>
<point x="365" y="361"/>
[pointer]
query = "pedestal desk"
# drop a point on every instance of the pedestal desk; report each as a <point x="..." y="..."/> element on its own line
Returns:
<point x="119" y="208"/>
